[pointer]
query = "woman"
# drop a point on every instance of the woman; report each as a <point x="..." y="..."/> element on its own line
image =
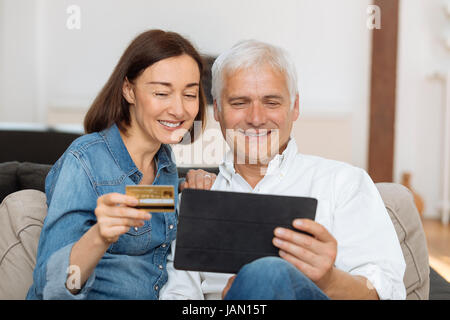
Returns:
<point x="94" y="244"/>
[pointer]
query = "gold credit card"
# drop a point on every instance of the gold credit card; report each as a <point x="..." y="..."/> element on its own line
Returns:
<point x="153" y="198"/>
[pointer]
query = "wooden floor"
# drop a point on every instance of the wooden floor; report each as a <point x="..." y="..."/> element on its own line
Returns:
<point x="438" y="240"/>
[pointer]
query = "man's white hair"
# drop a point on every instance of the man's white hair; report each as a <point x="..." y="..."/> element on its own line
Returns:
<point x="250" y="54"/>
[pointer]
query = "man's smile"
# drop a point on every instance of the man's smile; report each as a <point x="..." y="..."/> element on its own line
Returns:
<point x="252" y="133"/>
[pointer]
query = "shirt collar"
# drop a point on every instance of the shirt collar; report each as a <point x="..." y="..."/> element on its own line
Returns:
<point x="279" y="162"/>
<point x="123" y="159"/>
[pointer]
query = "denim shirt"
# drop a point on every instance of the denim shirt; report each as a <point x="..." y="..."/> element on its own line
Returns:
<point x="134" y="267"/>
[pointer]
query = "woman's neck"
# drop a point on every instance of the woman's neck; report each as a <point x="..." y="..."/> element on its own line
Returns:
<point x="141" y="149"/>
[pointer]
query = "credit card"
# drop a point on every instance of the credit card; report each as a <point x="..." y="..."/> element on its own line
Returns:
<point x="153" y="198"/>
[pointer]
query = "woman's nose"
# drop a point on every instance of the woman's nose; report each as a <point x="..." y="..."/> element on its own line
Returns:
<point x="176" y="107"/>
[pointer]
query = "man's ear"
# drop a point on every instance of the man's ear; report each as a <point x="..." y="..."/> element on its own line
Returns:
<point x="127" y="91"/>
<point x="296" y="109"/>
<point x="216" y="111"/>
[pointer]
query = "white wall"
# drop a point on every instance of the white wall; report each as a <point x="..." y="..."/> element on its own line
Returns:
<point x="17" y="61"/>
<point x="419" y="119"/>
<point x="328" y="39"/>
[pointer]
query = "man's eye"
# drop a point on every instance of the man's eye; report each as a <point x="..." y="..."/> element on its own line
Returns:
<point x="191" y="96"/>
<point x="272" y="104"/>
<point x="160" y="94"/>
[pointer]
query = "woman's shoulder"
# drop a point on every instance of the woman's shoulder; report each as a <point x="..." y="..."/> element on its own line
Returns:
<point x="86" y="156"/>
<point x="86" y="143"/>
<point x="83" y="149"/>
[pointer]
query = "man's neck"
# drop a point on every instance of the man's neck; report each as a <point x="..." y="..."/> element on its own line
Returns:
<point x="252" y="173"/>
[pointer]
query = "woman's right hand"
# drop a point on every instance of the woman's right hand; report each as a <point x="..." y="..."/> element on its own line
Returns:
<point x="115" y="216"/>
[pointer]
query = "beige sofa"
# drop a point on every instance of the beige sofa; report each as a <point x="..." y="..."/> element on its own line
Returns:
<point x="22" y="214"/>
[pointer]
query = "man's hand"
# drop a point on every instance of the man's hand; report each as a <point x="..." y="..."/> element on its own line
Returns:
<point x="313" y="255"/>
<point x="198" y="179"/>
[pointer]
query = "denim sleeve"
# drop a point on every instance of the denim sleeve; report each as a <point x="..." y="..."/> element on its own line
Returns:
<point x="71" y="200"/>
<point x="56" y="277"/>
<point x="180" y="181"/>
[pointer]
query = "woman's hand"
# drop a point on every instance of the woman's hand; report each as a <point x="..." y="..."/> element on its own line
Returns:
<point x="228" y="286"/>
<point x="198" y="179"/>
<point x="115" y="216"/>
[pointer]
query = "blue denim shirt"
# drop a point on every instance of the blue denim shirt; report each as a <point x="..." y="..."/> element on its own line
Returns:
<point x="134" y="267"/>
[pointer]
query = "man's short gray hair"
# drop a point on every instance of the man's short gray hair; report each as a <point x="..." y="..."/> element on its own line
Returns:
<point x="249" y="54"/>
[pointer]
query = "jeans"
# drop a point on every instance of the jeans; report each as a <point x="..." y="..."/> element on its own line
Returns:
<point x="273" y="278"/>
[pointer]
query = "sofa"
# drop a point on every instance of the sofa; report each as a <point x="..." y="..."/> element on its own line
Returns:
<point x="21" y="190"/>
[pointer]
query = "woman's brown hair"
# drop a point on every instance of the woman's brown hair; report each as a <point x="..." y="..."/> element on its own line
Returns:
<point x="110" y="106"/>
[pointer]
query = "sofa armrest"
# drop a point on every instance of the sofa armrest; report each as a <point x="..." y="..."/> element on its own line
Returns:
<point x="400" y="205"/>
<point x="22" y="216"/>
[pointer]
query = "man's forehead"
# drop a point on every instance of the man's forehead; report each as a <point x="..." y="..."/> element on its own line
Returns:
<point x="253" y="70"/>
<point x="263" y="80"/>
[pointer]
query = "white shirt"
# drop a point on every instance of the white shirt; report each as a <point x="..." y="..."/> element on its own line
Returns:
<point x="349" y="207"/>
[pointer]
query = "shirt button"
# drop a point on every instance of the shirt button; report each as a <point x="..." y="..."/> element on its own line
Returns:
<point x="156" y="288"/>
<point x="163" y="245"/>
<point x="135" y="228"/>
<point x="171" y="227"/>
<point x="160" y="267"/>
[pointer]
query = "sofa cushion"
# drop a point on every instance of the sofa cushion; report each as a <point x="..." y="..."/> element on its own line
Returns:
<point x="32" y="175"/>
<point x="22" y="215"/>
<point x="400" y="205"/>
<point x="8" y="178"/>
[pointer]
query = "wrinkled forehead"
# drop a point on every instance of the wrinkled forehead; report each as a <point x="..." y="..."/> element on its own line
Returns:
<point x="256" y="77"/>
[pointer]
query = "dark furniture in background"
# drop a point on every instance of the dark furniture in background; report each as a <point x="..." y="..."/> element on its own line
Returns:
<point x="43" y="147"/>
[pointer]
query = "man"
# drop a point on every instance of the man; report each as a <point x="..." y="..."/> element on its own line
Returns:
<point x="353" y="252"/>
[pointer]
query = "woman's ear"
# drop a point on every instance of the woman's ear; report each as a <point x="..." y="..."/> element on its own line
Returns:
<point x="127" y="91"/>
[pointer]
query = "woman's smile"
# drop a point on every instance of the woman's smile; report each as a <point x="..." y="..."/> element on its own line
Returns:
<point x="171" y="125"/>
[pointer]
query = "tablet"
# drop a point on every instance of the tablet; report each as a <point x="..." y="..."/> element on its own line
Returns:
<point x="220" y="231"/>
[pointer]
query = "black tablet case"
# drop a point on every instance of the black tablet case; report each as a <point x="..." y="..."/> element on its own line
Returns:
<point x="220" y="231"/>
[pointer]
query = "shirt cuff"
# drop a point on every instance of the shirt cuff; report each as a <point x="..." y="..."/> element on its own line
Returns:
<point x="388" y="288"/>
<point x="56" y="277"/>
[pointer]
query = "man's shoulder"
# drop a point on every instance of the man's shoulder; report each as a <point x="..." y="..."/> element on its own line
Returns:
<point x="323" y="165"/>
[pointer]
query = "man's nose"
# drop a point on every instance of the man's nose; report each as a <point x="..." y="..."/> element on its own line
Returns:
<point x="256" y="114"/>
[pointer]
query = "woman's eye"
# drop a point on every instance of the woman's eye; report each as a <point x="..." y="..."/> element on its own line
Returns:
<point x="191" y="96"/>
<point x="160" y="94"/>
